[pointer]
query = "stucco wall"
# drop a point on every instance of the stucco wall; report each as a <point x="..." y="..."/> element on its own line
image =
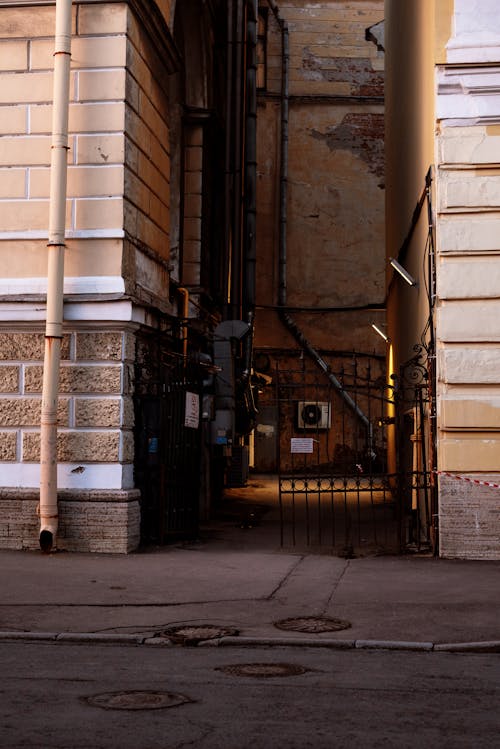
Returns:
<point x="335" y="228"/>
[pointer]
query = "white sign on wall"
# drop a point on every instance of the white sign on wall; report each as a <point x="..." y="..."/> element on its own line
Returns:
<point x="302" y="445"/>
<point x="192" y="417"/>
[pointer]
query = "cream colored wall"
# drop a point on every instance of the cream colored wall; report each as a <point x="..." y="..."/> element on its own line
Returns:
<point x="95" y="157"/>
<point x="468" y="333"/>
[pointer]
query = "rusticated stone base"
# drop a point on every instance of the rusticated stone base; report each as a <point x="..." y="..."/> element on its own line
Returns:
<point x="469" y="518"/>
<point x="96" y="521"/>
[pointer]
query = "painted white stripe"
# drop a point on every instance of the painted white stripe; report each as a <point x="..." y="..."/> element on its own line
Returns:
<point x="120" y="311"/>
<point x="76" y="234"/>
<point x="93" y="476"/>
<point x="72" y="285"/>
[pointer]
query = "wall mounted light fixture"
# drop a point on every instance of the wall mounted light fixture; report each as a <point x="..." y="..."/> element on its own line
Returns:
<point x="403" y="272"/>
<point x="380" y="332"/>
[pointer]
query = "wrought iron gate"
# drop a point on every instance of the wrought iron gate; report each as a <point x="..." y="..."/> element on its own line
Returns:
<point x="353" y="458"/>
<point x="168" y="452"/>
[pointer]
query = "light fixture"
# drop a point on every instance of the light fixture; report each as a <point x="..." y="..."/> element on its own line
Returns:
<point x="380" y="332"/>
<point x="403" y="272"/>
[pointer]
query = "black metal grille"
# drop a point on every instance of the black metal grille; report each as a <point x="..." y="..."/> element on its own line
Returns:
<point x="168" y="454"/>
<point x="354" y="459"/>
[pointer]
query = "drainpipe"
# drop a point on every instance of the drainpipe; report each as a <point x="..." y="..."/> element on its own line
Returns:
<point x="250" y="239"/>
<point x="289" y="323"/>
<point x="238" y="47"/>
<point x="228" y="159"/>
<point x="55" y="278"/>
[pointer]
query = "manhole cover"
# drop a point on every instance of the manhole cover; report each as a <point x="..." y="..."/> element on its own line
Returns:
<point x="264" y="670"/>
<point x="312" y="624"/>
<point x="140" y="700"/>
<point x="192" y="634"/>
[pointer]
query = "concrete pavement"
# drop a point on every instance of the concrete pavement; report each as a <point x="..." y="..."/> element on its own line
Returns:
<point x="239" y="577"/>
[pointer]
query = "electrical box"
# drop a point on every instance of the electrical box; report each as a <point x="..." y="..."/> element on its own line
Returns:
<point x="313" y="415"/>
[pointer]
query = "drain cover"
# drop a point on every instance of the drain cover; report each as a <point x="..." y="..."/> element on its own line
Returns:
<point x="192" y="634"/>
<point x="264" y="670"/>
<point x="313" y="624"/>
<point x="140" y="700"/>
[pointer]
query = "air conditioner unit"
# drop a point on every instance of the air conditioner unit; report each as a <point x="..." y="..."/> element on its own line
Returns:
<point x="313" y="415"/>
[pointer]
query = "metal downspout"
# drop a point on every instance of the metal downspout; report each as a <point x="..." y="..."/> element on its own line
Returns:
<point x="228" y="238"/>
<point x="289" y="323"/>
<point x="236" y="269"/>
<point x="55" y="278"/>
<point x="250" y="239"/>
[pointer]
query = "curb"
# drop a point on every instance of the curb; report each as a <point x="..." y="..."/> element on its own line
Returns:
<point x="492" y="646"/>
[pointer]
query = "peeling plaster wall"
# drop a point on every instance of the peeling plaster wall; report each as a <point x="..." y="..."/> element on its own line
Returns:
<point x="335" y="230"/>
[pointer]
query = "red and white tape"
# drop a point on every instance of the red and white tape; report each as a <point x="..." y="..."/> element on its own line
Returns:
<point x="469" y="480"/>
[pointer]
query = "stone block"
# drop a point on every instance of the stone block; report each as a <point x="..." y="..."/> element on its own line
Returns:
<point x="466" y="453"/>
<point x="193" y="183"/>
<point x="108" y="18"/>
<point x="21" y="411"/>
<point x="79" y="447"/>
<point x="465" y="279"/>
<point x="21" y="151"/>
<point x="27" y="22"/>
<point x="128" y="413"/>
<point x="13" y="56"/>
<point x="192" y="228"/>
<point x="101" y="85"/>
<point x="27" y="346"/>
<point x="97" y="412"/>
<point x="106" y="213"/>
<point x="9" y="379"/>
<point x="465" y="191"/>
<point x="475" y="234"/>
<point x="469" y="365"/>
<point x="12" y="182"/>
<point x="102" y="181"/>
<point x="99" y="149"/>
<point x="18" y="88"/>
<point x="193" y="159"/>
<point x="468" y="413"/>
<point x="129" y="352"/>
<point x="127" y="448"/>
<point x="469" y="521"/>
<point x="13" y="120"/>
<point x="478" y="321"/>
<point x="100" y="117"/>
<point x="75" y="379"/>
<point x="86" y="52"/>
<point x="99" y="346"/>
<point x="8" y="446"/>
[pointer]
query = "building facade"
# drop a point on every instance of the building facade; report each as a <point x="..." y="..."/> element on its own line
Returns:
<point x="156" y="168"/>
<point x="442" y="114"/>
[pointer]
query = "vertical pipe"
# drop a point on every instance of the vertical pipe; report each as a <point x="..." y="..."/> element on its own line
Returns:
<point x="250" y="159"/>
<point x="238" y="159"/>
<point x="228" y="158"/>
<point x="55" y="280"/>
<point x="282" y="293"/>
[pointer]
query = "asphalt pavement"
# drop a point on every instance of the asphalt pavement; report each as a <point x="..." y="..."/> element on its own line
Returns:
<point x="239" y="584"/>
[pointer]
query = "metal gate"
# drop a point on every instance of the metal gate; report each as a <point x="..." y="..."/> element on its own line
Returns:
<point x="168" y="452"/>
<point x="353" y="471"/>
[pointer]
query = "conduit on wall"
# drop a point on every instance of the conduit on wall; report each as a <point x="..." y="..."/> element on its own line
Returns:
<point x="55" y="278"/>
